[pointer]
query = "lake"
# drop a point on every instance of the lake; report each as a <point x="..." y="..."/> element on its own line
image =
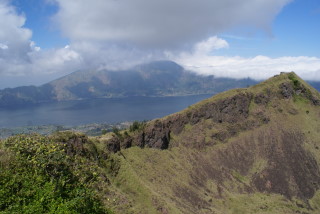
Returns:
<point x="111" y="111"/>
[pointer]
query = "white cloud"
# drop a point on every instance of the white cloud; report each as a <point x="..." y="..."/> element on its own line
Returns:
<point x="3" y="46"/>
<point x="160" y="24"/>
<point x="34" y="47"/>
<point x="13" y="36"/>
<point x="209" y="45"/>
<point x="63" y="60"/>
<point x="259" y="67"/>
<point x="19" y="55"/>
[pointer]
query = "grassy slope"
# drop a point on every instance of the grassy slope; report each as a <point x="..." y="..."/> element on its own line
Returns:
<point x="213" y="179"/>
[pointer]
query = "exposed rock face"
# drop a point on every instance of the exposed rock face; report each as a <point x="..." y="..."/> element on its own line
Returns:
<point x="74" y="143"/>
<point x="286" y="90"/>
<point x="232" y="110"/>
<point x="156" y="136"/>
<point x="263" y="98"/>
<point x="295" y="88"/>
<point x="114" y="144"/>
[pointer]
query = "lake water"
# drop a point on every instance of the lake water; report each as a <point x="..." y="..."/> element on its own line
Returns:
<point x="114" y="110"/>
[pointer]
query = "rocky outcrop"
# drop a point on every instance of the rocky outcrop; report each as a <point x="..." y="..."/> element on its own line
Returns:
<point x="296" y="88"/>
<point x="157" y="133"/>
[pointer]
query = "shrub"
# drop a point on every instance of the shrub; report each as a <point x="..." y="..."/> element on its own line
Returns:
<point x="37" y="176"/>
<point x="295" y="81"/>
<point x="136" y="125"/>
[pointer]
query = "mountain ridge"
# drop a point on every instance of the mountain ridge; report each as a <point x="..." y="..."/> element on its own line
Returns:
<point x="159" y="78"/>
<point x="256" y="144"/>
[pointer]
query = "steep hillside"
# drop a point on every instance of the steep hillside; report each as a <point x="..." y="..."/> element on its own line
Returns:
<point x="160" y="78"/>
<point x="20" y="96"/>
<point x="253" y="150"/>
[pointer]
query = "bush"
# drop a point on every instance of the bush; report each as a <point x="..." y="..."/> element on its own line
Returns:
<point x="37" y="176"/>
<point x="295" y="81"/>
<point x="137" y="126"/>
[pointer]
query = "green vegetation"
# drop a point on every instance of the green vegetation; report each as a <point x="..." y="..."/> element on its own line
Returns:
<point x="38" y="176"/>
<point x="116" y="131"/>
<point x="304" y="91"/>
<point x="136" y="126"/>
<point x="295" y="81"/>
<point x="253" y="150"/>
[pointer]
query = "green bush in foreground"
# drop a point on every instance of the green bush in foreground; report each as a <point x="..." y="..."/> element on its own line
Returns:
<point x="37" y="176"/>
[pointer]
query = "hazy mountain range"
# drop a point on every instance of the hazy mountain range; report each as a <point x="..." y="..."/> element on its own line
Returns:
<point x="160" y="78"/>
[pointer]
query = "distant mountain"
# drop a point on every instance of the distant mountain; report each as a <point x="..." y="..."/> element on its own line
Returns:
<point x="315" y="84"/>
<point x="159" y="78"/>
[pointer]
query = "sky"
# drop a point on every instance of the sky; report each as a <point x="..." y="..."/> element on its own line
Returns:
<point x="41" y="40"/>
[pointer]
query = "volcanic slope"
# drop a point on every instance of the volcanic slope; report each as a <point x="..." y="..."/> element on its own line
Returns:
<point x="252" y="150"/>
<point x="154" y="79"/>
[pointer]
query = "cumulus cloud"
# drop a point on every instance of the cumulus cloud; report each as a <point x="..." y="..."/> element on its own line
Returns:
<point x="21" y="58"/>
<point x="40" y="67"/>
<point x="160" y="24"/>
<point x="14" y="39"/>
<point x="209" y="45"/>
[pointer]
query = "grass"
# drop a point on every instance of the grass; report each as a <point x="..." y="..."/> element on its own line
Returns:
<point x="257" y="203"/>
<point x="140" y="180"/>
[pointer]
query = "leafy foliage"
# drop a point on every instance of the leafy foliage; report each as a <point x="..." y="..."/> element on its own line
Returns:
<point x="136" y="125"/>
<point x="295" y="81"/>
<point x="37" y="176"/>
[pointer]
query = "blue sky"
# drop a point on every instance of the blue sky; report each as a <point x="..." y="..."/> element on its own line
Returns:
<point x="39" y="19"/>
<point x="45" y="39"/>
<point x="295" y="31"/>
